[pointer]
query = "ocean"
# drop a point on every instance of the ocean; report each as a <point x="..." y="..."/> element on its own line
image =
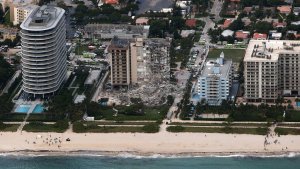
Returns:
<point x="127" y="161"/>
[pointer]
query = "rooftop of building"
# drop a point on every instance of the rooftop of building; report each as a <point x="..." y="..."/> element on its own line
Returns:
<point x="226" y="23"/>
<point x="28" y="7"/>
<point x="242" y="34"/>
<point x="191" y="22"/>
<point x="269" y="50"/>
<point x="119" y="43"/>
<point x="93" y="76"/>
<point x="43" y="18"/>
<point x="142" y="20"/>
<point x="116" y="28"/>
<point x="157" y="42"/>
<point x="219" y="67"/>
<point x="260" y="36"/>
<point x="284" y="8"/>
<point x="22" y="2"/>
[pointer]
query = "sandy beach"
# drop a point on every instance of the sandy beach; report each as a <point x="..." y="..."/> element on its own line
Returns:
<point x="147" y="144"/>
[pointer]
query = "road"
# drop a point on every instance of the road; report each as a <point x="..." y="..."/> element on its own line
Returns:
<point x="216" y="9"/>
<point x="203" y="50"/>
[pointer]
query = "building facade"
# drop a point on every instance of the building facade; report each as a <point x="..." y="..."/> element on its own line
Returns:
<point x="215" y="81"/>
<point x="19" y="12"/>
<point x="120" y="62"/>
<point x="271" y="69"/>
<point x="43" y="41"/>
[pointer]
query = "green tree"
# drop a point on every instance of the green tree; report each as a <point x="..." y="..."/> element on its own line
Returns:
<point x="263" y="27"/>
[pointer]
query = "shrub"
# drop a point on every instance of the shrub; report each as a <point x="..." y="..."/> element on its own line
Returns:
<point x="151" y="128"/>
<point x="175" y="129"/>
<point x="62" y="125"/>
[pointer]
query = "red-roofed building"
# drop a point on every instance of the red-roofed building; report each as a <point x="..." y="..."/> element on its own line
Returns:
<point x="284" y="9"/>
<point x="260" y="36"/>
<point x="111" y="2"/>
<point x="142" y="21"/>
<point x="241" y="34"/>
<point x="248" y="10"/>
<point x="279" y="24"/>
<point x="226" y="23"/>
<point x="191" y="22"/>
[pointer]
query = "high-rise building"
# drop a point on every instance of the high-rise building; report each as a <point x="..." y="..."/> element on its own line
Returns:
<point x="271" y="69"/>
<point x="43" y="40"/>
<point x="215" y="81"/>
<point x="120" y="62"/>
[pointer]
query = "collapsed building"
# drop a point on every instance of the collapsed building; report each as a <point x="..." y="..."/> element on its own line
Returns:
<point x="142" y="66"/>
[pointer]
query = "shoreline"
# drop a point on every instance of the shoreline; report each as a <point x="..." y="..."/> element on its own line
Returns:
<point x="132" y="154"/>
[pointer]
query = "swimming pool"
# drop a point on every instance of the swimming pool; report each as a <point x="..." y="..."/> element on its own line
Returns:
<point x="39" y="108"/>
<point x="22" y="108"/>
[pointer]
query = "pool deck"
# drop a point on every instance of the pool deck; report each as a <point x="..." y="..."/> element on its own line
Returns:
<point x="32" y="104"/>
<point x="32" y="108"/>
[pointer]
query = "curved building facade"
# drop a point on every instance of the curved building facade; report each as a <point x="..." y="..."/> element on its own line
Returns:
<point x="44" y="58"/>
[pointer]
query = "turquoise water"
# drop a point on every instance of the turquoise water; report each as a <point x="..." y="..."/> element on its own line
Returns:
<point x="22" y="109"/>
<point x="101" y="162"/>
<point x="38" y="109"/>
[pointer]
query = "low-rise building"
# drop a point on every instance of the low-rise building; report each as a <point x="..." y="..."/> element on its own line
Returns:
<point x="9" y="33"/>
<point x="242" y="35"/>
<point x="226" y="23"/>
<point x="296" y="11"/>
<point x="276" y="35"/>
<point x="279" y="24"/>
<point x="109" y="2"/>
<point x="191" y="23"/>
<point x="260" y="36"/>
<point x="284" y="9"/>
<point x="109" y="31"/>
<point x="142" y="21"/>
<point x="215" y="81"/>
<point x="227" y="33"/>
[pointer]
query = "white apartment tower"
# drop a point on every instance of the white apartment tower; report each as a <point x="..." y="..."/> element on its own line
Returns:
<point x="215" y="81"/>
<point x="43" y="40"/>
<point x="271" y="70"/>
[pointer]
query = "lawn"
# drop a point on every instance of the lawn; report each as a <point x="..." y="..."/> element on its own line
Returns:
<point x="235" y="54"/>
<point x="287" y="131"/>
<point x="82" y="127"/>
<point x="227" y="130"/>
<point x="123" y="123"/>
<point x="12" y="117"/>
<point x="221" y="124"/>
